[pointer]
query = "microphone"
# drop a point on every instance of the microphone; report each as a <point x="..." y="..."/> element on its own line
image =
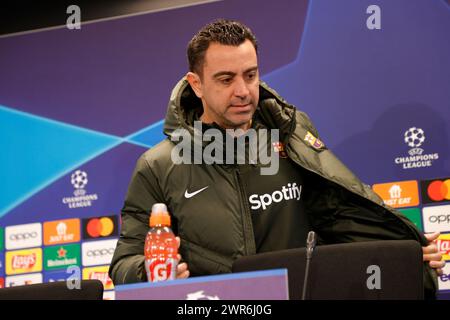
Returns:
<point x="310" y="245"/>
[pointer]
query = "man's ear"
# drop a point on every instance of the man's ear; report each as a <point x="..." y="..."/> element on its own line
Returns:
<point x="196" y="83"/>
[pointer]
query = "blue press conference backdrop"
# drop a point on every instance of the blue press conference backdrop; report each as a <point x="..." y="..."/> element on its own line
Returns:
<point x="78" y="107"/>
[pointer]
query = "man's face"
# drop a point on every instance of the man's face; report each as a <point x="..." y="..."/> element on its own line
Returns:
<point x="229" y="87"/>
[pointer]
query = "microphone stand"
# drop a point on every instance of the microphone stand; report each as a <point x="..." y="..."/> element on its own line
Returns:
<point x="310" y="245"/>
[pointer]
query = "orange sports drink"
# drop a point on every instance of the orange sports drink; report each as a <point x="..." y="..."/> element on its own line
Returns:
<point x="161" y="247"/>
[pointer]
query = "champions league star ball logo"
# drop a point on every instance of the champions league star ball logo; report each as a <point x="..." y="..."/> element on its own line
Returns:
<point x="414" y="137"/>
<point x="79" y="180"/>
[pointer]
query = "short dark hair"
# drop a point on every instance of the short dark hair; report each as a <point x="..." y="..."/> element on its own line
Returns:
<point x="226" y="32"/>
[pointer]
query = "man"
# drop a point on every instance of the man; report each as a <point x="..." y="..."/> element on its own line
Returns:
<point x="223" y="210"/>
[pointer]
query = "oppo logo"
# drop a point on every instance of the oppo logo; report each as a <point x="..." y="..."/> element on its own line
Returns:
<point x="442" y="218"/>
<point x="100" y="252"/>
<point x="23" y="236"/>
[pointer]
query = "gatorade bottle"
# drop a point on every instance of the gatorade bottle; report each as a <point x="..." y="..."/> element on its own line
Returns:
<point x="161" y="247"/>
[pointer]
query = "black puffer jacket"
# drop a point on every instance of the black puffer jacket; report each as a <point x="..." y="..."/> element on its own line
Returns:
<point x="215" y="227"/>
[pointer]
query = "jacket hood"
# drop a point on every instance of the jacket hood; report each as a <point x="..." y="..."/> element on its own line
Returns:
<point x="184" y="108"/>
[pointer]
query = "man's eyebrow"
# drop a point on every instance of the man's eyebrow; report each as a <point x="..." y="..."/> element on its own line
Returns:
<point x="251" y="69"/>
<point x="230" y="73"/>
<point x="224" y="73"/>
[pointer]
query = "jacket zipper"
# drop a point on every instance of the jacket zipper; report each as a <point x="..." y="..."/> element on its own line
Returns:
<point x="249" y="238"/>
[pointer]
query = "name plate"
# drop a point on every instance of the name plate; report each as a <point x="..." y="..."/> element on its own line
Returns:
<point x="256" y="285"/>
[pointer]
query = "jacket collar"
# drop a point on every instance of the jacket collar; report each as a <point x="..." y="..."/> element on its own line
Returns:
<point x="184" y="108"/>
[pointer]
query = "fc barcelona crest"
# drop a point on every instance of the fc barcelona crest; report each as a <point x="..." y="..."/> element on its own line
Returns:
<point x="279" y="147"/>
<point x="313" y="141"/>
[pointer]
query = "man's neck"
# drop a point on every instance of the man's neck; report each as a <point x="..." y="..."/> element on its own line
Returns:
<point x="243" y="127"/>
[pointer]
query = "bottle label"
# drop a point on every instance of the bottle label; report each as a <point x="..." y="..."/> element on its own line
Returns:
<point x="158" y="270"/>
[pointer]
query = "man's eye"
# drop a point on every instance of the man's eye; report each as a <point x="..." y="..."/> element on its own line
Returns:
<point x="251" y="76"/>
<point x="226" y="81"/>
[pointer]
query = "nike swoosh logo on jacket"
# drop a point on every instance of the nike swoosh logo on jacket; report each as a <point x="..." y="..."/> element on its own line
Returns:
<point x="188" y="195"/>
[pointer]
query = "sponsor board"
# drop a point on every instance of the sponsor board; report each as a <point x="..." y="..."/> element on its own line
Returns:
<point x="109" y="295"/>
<point x="98" y="252"/>
<point x="435" y="191"/>
<point x="25" y="279"/>
<point x="436" y="218"/>
<point x="99" y="273"/>
<point x="2" y="282"/>
<point x="61" y="275"/>
<point x="398" y="194"/>
<point x="444" y="279"/>
<point x="2" y="237"/>
<point x="23" y="261"/>
<point x="61" y="231"/>
<point x="23" y="236"/>
<point x="2" y="264"/>
<point x="60" y="257"/>
<point x="100" y="227"/>
<point x="443" y="244"/>
<point x="414" y="215"/>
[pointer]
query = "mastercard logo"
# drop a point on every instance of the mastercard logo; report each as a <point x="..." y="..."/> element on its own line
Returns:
<point x="100" y="227"/>
<point x="439" y="190"/>
<point x="436" y="190"/>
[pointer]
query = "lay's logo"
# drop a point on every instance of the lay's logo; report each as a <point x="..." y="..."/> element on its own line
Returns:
<point x="99" y="273"/>
<point x="443" y="244"/>
<point x="102" y="276"/>
<point x="23" y="261"/>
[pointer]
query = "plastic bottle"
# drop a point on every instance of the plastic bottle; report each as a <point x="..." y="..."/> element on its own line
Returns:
<point x="161" y="247"/>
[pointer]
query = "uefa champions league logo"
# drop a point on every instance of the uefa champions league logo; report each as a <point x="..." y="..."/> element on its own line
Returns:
<point x="414" y="138"/>
<point x="79" y="180"/>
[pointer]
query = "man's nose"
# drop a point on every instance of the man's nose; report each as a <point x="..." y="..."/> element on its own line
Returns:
<point x="241" y="89"/>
